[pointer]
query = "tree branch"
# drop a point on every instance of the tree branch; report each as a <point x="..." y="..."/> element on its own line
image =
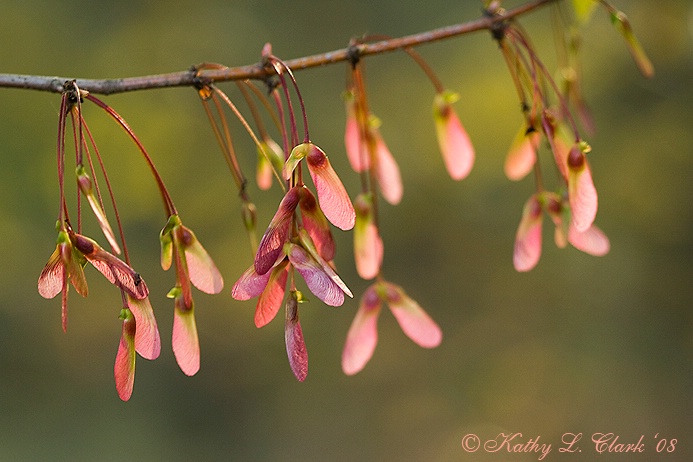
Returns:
<point x="257" y="71"/>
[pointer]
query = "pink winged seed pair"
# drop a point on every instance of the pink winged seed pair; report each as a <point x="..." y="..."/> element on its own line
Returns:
<point x="306" y="246"/>
<point x="573" y="212"/>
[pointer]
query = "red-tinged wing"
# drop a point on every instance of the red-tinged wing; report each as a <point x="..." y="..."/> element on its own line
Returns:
<point x="272" y="297"/>
<point x="583" y="197"/>
<point x="522" y="154"/>
<point x="593" y="241"/>
<point x="249" y="285"/>
<point x="185" y="343"/>
<point x="453" y="140"/>
<point x="332" y="196"/>
<point x="103" y="221"/>
<point x="318" y="281"/>
<point x="315" y="222"/>
<point x="52" y="277"/>
<point x="295" y="344"/>
<point x="124" y="368"/>
<point x="353" y="141"/>
<point x="147" y="340"/>
<point x="119" y="273"/>
<point x="414" y="321"/>
<point x="201" y="268"/>
<point x="362" y="337"/>
<point x="528" y="238"/>
<point x="272" y="243"/>
<point x="387" y="173"/>
<point x="368" y="245"/>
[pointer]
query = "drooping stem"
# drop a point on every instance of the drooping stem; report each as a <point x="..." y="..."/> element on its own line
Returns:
<point x="287" y="69"/>
<point x="225" y="142"/>
<point x="60" y="153"/>
<point x="247" y="128"/>
<point x="263" y="99"/>
<point x="78" y="161"/>
<point x="282" y="120"/>
<point x="280" y="68"/>
<point x="168" y="202"/>
<point x="538" y="64"/>
<point x="514" y="69"/>
<point x="119" y="223"/>
<point x="255" y="114"/>
<point x="368" y="155"/>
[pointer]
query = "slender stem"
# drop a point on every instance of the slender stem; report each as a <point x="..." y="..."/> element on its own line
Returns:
<point x="279" y="68"/>
<point x="248" y="129"/>
<point x="287" y="69"/>
<point x="282" y="117"/>
<point x="227" y="143"/>
<point x="168" y="202"/>
<point x="78" y="161"/>
<point x="265" y="102"/>
<point x="258" y="71"/>
<point x="92" y="172"/>
<point x="61" y="157"/>
<point x="547" y="75"/>
<point x="78" y="105"/>
<point x="516" y="37"/>
<point x="220" y="140"/>
<point x="437" y="84"/>
<point x="126" y="256"/>
<point x="368" y="155"/>
<point x="255" y="114"/>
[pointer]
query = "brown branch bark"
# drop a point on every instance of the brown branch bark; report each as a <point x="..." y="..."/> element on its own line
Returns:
<point x="258" y="71"/>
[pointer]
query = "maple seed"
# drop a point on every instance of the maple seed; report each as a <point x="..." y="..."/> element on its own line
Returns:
<point x="576" y="158"/>
<point x="83" y="245"/>
<point x="184" y="236"/>
<point x="554" y="206"/>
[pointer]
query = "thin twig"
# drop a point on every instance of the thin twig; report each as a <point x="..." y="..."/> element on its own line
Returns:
<point x="192" y="77"/>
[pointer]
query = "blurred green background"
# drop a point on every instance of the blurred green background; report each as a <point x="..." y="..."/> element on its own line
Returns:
<point x="580" y="344"/>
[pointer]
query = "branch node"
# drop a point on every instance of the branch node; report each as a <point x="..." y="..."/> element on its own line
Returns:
<point x="198" y="81"/>
<point x="496" y="14"/>
<point x="74" y="94"/>
<point x="271" y="82"/>
<point x="268" y="74"/>
<point x="353" y="53"/>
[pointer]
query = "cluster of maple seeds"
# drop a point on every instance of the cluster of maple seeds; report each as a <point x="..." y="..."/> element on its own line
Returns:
<point x="298" y="239"/>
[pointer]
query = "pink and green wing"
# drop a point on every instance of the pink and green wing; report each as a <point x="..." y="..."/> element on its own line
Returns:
<point x="124" y="368"/>
<point x="362" y="337"/>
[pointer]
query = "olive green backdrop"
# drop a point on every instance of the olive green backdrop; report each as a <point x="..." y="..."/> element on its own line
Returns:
<point x="579" y="345"/>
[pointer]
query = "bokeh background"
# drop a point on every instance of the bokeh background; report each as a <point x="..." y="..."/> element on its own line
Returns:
<point x="578" y="345"/>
